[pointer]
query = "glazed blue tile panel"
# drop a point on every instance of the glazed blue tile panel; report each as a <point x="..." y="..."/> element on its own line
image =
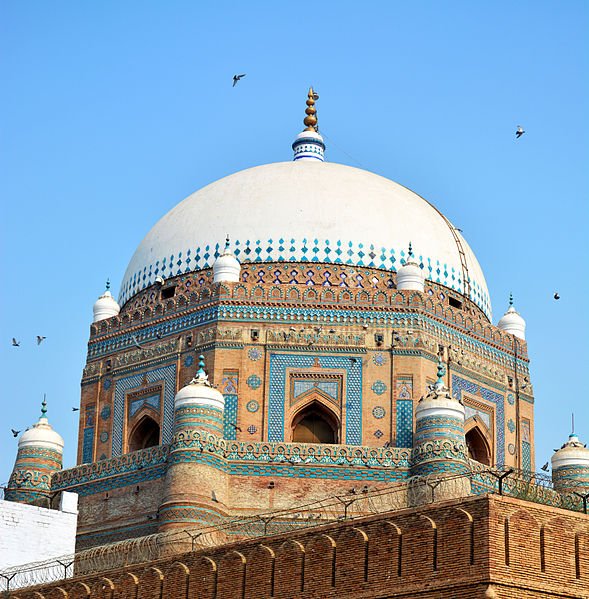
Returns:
<point x="88" y="445"/>
<point x="152" y="400"/>
<point x="334" y="251"/>
<point x="276" y="399"/>
<point x="459" y="385"/>
<point x="404" y="423"/>
<point x="167" y="374"/>
<point x="331" y="388"/>
<point x="230" y="417"/>
<point x="526" y="456"/>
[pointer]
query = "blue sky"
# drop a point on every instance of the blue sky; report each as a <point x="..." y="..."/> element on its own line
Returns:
<point x="112" y="112"/>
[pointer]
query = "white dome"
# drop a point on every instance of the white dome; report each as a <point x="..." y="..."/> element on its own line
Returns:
<point x="41" y="434"/>
<point x="306" y="211"/>
<point x="512" y="322"/>
<point x="105" y="307"/>
<point x="199" y="393"/>
<point x="226" y="268"/>
<point x="411" y="277"/>
<point x="572" y="453"/>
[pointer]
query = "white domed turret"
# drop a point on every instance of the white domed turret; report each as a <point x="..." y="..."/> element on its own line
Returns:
<point x="570" y="466"/>
<point x="512" y="322"/>
<point x="309" y="145"/>
<point x="106" y="305"/>
<point x="226" y="267"/>
<point x="198" y="405"/>
<point x="40" y="454"/>
<point x="410" y="275"/>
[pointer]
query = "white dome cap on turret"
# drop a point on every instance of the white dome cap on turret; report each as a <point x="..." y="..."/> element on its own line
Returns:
<point x="41" y="434"/>
<point x="226" y="267"/>
<point x="512" y="322"/>
<point x="572" y="453"/>
<point x="410" y="275"/>
<point x="200" y="391"/>
<point x="438" y="402"/>
<point x="105" y="306"/>
<point x="309" y="145"/>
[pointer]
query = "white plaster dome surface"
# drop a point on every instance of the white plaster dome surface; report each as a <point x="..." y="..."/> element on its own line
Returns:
<point x="41" y="434"/>
<point x="572" y="453"/>
<point x="199" y="394"/>
<point x="105" y="307"/>
<point x="305" y="211"/>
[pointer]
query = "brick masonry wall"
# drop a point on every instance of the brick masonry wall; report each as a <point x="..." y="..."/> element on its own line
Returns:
<point x="443" y="551"/>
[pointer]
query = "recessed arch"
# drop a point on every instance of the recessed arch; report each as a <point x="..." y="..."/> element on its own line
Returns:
<point x="315" y="424"/>
<point x="478" y="446"/>
<point x="146" y="433"/>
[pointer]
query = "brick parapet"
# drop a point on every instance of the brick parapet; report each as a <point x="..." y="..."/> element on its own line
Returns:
<point x="440" y="551"/>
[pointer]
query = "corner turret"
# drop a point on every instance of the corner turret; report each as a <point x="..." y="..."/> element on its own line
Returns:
<point x="512" y="322"/>
<point x="410" y="275"/>
<point x="40" y="454"/>
<point x="226" y="267"/>
<point x="570" y="466"/>
<point x="106" y="305"/>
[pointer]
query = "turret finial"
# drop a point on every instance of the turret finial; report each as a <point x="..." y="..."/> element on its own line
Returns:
<point x="410" y="250"/>
<point x="44" y="407"/>
<point x="441" y="372"/>
<point x="310" y="120"/>
<point x="510" y="300"/>
<point x="108" y="284"/>
<point x="227" y="243"/>
<point x="201" y="377"/>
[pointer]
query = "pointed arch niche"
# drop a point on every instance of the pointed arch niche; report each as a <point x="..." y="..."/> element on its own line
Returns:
<point x="479" y="448"/>
<point x="314" y="413"/>
<point x="144" y="418"/>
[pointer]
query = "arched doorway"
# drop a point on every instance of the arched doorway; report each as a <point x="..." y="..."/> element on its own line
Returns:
<point x="478" y="448"/>
<point x="145" y="434"/>
<point x="314" y="424"/>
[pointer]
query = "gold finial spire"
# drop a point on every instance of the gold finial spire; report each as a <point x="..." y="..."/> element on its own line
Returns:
<point x="311" y="112"/>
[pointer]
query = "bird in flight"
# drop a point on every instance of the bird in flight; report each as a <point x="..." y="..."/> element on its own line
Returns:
<point x="237" y="78"/>
<point x="40" y="339"/>
<point x="556" y="296"/>
<point x="15" y="343"/>
<point x="237" y="428"/>
<point x="135" y="342"/>
<point x="75" y="409"/>
<point x="520" y="131"/>
<point x="545" y="467"/>
<point x="14" y="433"/>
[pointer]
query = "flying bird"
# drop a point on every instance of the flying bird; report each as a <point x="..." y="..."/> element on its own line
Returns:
<point x="237" y="78"/>
<point x="237" y="428"/>
<point x="15" y="433"/>
<point x="545" y="467"/>
<point x="556" y="296"/>
<point x="40" y="339"/>
<point x="75" y="409"/>
<point x="214" y="496"/>
<point x="520" y="131"/>
<point x="135" y="342"/>
<point x="15" y="343"/>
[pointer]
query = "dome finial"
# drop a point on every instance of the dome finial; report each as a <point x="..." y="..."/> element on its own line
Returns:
<point x="108" y="284"/>
<point x="44" y="407"/>
<point x="201" y="377"/>
<point x="510" y="299"/>
<point x="311" y="119"/>
<point x="227" y="243"/>
<point x="441" y="372"/>
<point x="410" y="250"/>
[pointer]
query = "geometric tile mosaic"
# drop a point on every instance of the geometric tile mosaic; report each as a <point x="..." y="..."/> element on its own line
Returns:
<point x="327" y="251"/>
<point x="167" y="374"/>
<point x="404" y="423"/>
<point x="526" y="456"/>
<point x="459" y="385"/>
<point x="278" y="390"/>
<point x="230" y="417"/>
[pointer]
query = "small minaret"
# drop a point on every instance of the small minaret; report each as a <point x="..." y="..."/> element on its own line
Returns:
<point x="512" y="322"/>
<point x="226" y="267"/>
<point x="439" y="446"/>
<point x="106" y="305"/>
<point x="40" y="454"/>
<point x="309" y="145"/>
<point x="195" y="486"/>
<point x="410" y="275"/>
<point x="570" y="467"/>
